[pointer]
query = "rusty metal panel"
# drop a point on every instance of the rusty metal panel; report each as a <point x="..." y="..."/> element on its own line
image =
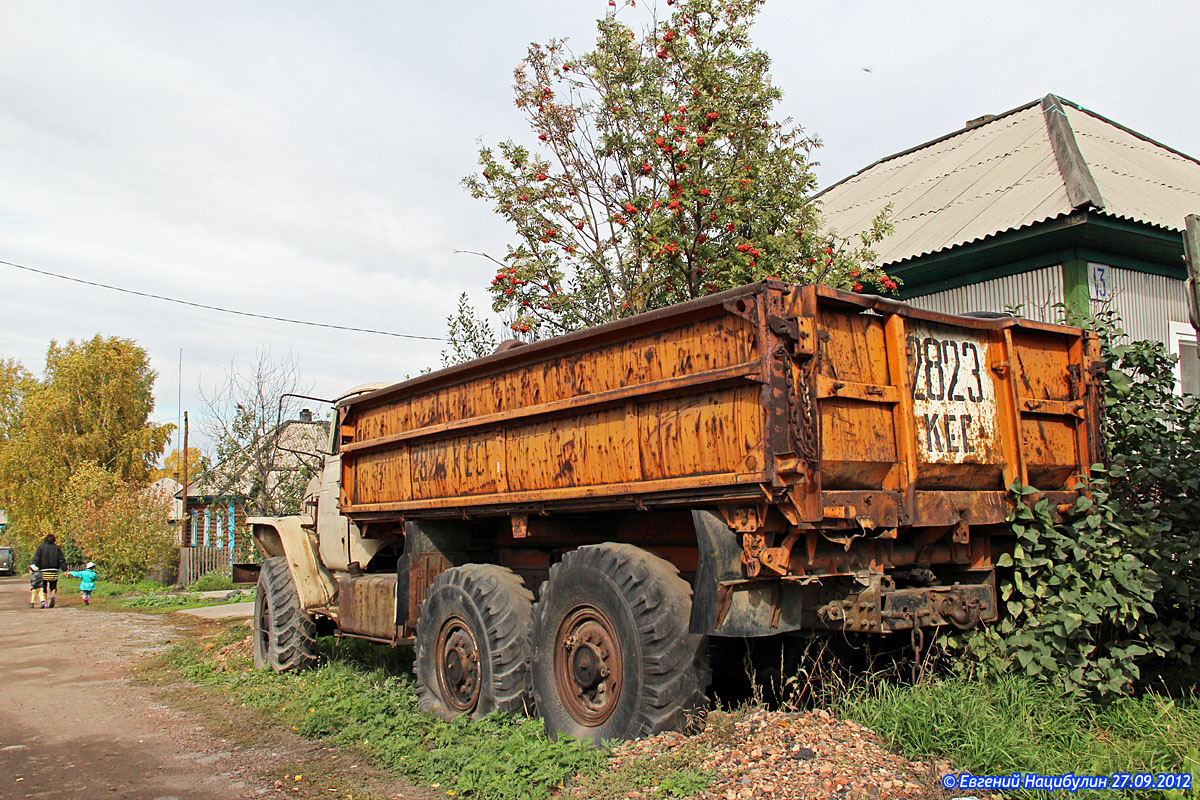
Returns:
<point x="790" y="395"/>
<point x="674" y="401"/>
<point x="367" y="605"/>
<point x="1057" y="400"/>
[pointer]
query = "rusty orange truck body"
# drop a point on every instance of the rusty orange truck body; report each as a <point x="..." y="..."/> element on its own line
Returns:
<point x="788" y="457"/>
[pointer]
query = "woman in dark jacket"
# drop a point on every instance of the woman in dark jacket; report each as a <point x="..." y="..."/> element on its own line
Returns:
<point x="48" y="559"/>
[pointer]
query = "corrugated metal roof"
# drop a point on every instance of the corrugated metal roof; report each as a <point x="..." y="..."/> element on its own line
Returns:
<point x="1008" y="173"/>
<point x="1139" y="179"/>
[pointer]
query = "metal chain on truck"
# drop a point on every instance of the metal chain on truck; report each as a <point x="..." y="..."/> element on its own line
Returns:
<point x="917" y="639"/>
<point x="807" y="412"/>
<point x="802" y="412"/>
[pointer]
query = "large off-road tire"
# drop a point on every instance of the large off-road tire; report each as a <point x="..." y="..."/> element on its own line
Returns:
<point x="613" y="658"/>
<point x="472" y="644"/>
<point x="284" y="636"/>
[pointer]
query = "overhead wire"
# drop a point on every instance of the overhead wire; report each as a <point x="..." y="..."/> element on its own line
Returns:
<point x="219" y="308"/>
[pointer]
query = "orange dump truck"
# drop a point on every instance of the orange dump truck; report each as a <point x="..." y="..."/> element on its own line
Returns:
<point x="563" y="527"/>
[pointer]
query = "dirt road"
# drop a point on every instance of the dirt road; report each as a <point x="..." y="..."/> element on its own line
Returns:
<point x="75" y="723"/>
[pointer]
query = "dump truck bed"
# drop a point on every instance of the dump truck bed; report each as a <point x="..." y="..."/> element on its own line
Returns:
<point x="826" y="404"/>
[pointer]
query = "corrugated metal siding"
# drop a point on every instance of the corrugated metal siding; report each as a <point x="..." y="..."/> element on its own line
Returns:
<point x="990" y="178"/>
<point x="1146" y="303"/>
<point x="1036" y="291"/>
<point x="1138" y="180"/>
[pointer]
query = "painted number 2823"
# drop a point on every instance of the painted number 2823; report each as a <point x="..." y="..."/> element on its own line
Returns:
<point x="945" y="370"/>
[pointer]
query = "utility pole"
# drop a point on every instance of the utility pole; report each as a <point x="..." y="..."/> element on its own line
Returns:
<point x="183" y="517"/>
<point x="1191" y="254"/>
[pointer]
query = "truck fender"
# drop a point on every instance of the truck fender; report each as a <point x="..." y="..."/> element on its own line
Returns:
<point x="284" y="536"/>
<point x="749" y="610"/>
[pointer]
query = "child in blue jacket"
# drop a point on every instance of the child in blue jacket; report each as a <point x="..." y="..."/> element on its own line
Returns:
<point x="87" y="581"/>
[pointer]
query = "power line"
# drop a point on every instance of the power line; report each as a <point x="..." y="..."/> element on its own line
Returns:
<point x="218" y="308"/>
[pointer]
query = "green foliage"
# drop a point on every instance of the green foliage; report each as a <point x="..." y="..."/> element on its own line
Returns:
<point x="177" y="601"/>
<point x="470" y="338"/>
<point x="91" y="408"/>
<point x="661" y="175"/>
<point x="1153" y="437"/>
<point x="212" y="582"/>
<point x="119" y="525"/>
<point x="161" y="601"/>
<point x="686" y="782"/>
<point x="368" y="707"/>
<point x="1011" y="723"/>
<point x="670" y="772"/>
<point x="1078" y="598"/>
<point x="1107" y="596"/>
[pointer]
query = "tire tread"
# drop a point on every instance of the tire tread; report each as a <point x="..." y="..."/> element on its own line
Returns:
<point x="505" y="606"/>
<point x="292" y="637"/>
<point x="675" y="668"/>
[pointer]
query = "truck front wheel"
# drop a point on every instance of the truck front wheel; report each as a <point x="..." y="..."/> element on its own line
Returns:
<point x="613" y="658"/>
<point x="284" y="636"/>
<point x="472" y="643"/>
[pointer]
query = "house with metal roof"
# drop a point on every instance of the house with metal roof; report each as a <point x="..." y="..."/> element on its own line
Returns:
<point x="1047" y="206"/>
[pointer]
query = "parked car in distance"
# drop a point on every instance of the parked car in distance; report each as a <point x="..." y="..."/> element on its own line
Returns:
<point x="8" y="565"/>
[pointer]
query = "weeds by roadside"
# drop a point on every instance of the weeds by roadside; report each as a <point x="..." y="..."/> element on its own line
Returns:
<point x="105" y="588"/>
<point x="357" y="699"/>
<point x="145" y="596"/>
<point x="212" y="582"/>
<point x="362" y="698"/>
<point x="179" y="602"/>
<point x="1012" y="723"/>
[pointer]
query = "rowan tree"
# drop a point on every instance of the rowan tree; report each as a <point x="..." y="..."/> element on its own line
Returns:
<point x="659" y="175"/>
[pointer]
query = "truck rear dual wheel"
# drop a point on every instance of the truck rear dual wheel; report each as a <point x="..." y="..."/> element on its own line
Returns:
<point x="613" y="658"/>
<point x="472" y="643"/>
<point x="284" y="636"/>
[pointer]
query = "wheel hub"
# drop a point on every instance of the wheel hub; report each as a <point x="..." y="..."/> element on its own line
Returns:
<point x="457" y="656"/>
<point x="588" y="665"/>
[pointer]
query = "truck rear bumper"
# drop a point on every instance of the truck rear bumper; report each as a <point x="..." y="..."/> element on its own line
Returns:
<point x="728" y="602"/>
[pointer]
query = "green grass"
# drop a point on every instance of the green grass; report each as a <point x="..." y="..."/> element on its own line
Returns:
<point x="1014" y="724"/>
<point x="109" y="589"/>
<point x="362" y="696"/>
<point x="143" y="596"/>
<point x="213" y="582"/>
<point x="175" y="602"/>
<point x="670" y="773"/>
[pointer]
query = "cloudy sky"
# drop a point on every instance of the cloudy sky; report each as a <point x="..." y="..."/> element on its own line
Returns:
<point x="302" y="159"/>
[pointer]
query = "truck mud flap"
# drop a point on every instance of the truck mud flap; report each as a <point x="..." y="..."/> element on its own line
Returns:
<point x="430" y="548"/>
<point x="724" y="603"/>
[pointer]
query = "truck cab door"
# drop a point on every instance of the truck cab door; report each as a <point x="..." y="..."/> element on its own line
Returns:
<point x="333" y="529"/>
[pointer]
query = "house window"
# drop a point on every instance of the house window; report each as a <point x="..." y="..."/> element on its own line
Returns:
<point x="1187" y="369"/>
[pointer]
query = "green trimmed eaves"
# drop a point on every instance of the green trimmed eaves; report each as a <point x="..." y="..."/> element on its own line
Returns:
<point x="1080" y="236"/>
